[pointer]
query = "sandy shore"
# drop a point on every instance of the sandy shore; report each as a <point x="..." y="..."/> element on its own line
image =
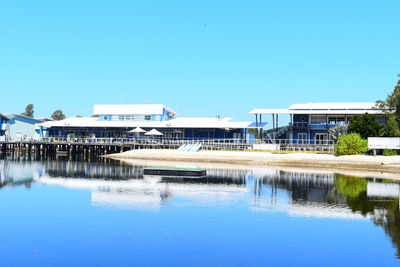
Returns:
<point x="369" y="163"/>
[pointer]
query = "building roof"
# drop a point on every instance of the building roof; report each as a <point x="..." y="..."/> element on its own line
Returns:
<point x="181" y="122"/>
<point x="22" y="117"/>
<point x="135" y="109"/>
<point x="334" y="106"/>
<point x="270" y="111"/>
<point x="44" y="119"/>
<point x="324" y="108"/>
<point x="4" y="117"/>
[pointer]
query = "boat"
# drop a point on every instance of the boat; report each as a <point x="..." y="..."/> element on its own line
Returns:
<point x="174" y="171"/>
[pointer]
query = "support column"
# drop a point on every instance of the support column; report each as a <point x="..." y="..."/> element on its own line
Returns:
<point x="261" y="129"/>
<point x="327" y="130"/>
<point x="256" y="120"/>
<point x="257" y="131"/>
<point x="277" y="120"/>
<point x="273" y="124"/>
<point x="291" y="128"/>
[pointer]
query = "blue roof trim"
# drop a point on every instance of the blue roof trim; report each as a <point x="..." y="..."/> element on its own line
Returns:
<point x="23" y="118"/>
<point x="260" y="124"/>
<point x="4" y="117"/>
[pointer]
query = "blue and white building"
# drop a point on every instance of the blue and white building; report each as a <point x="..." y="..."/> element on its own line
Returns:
<point x="20" y="126"/>
<point x="311" y="122"/>
<point x="3" y="124"/>
<point x="117" y="120"/>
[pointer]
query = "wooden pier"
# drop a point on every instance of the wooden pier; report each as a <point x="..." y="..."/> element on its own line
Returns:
<point x="103" y="146"/>
<point x="62" y="147"/>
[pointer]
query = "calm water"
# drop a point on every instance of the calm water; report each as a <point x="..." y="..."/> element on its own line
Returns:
<point x="65" y="213"/>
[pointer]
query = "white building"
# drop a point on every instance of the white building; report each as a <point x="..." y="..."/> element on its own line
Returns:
<point x="118" y="120"/>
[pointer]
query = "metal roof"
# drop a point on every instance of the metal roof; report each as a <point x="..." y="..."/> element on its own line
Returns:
<point x="4" y="117"/>
<point x="270" y="111"/>
<point x="324" y="108"/>
<point x="181" y="122"/>
<point x="131" y="109"/>
<point x="334" y="106"/>
<point x="13" y="116"/>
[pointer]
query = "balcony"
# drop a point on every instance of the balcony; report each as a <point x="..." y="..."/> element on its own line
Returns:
<point x="306" y="125"/>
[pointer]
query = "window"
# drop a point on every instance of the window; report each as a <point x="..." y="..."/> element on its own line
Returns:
<point x="138" y="117"/>
<point x="147" y="117"/>
<point x="321" y="138"/>
<point x="121" y="117"/>
<point x="381" y="120"/>
<point x="337" y="120"/>
<point x="317" y="119"/>
<point x="302" y="138"/>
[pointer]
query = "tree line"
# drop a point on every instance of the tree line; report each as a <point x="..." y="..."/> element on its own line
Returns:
<point x="351" y="139"/>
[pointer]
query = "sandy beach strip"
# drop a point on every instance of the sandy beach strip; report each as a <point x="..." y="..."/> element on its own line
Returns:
<point x="357" y="162"/>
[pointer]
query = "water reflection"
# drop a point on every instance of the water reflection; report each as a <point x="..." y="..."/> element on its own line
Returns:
<point x="301" y="194"/>
<point x="14" y="173"/>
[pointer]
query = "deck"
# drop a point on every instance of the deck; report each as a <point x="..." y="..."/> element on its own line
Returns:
<point x="102" y="146"/>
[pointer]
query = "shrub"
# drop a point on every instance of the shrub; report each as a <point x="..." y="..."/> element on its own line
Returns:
<point x="364" y="124"/>
<point x="389" y="152"/>
<point x="351" y="144"/>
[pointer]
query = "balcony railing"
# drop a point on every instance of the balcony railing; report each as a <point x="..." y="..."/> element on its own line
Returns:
<point x="166" y="141"/>
<point x="300" y="142"/>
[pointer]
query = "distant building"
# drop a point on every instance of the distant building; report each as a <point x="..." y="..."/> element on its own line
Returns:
<point x="118" y="120"/>
<point x="20" y="126"/>
<point x="311" y="122"/>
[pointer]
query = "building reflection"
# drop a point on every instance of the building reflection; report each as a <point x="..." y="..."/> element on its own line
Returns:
<point x="297" y="193"/>
<point x="16" y="173"/>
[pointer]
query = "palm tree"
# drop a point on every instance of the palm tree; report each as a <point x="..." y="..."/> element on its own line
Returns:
<point x="337" y="131"/>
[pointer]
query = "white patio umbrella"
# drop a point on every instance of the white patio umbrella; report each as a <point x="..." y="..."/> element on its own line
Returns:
<point x="137" y="130"/>
<point x="153" y="132"/>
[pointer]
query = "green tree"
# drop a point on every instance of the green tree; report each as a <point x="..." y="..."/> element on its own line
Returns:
<point x="365" y="125"/>
<point x="337" y="131"/>
<point x="58" y="115"/>
<point x="391" y="128"/>
<point x="351" y="144"/>
<point x="28" y="111"/>
<point x="392" y="103"/>
<point x="391" y="107"/>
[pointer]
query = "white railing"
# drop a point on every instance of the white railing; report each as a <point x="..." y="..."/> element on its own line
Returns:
<point x="160" y="140"/>
<point x="299" y="142"/>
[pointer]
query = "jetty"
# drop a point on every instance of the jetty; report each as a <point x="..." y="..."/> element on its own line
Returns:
<point x="104" y="146"/>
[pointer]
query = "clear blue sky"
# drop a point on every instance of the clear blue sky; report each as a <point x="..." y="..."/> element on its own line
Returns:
<point x="201" y="58"/>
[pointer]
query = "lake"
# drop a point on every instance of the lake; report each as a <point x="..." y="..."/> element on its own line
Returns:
<point x="60" y="212"/>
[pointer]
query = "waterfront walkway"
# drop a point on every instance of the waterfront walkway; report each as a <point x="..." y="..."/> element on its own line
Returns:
<point x="113" y="145"/>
